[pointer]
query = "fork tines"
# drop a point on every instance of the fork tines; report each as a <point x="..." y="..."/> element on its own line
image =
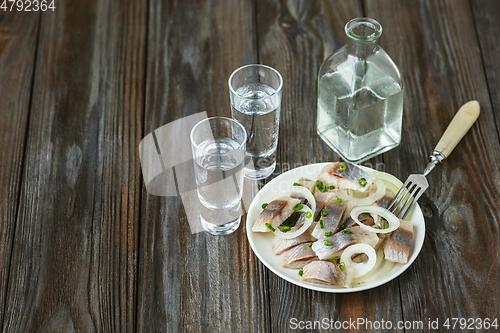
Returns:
<point x="406" y="197"/>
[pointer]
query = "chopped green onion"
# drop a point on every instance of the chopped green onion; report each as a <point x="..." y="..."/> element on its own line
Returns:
<point x="327" y="243"/>
<point x="336" y="258"/>
<point x="383" y="218"/>
<point x="362" y="182"/>
<point x="286" y="229"/>
<point x="270" y="227"/>
<point x="347" y="232"/>
<point x="301" y="272"/>
<point x="291" y="221"/>
<point x="321" y="187"/>
<point x="375" y="227"/>
<point x="342" y="227"/>
<point x="309" y="215"/>
<point x="342" y="167"/>
<point x="328" y="233"/>
<point x="310" y="244"/>
<point x="298" y="206"/>
<point x="331" y="187"/>
<point x="366" y="214"/>
<point x="386" y="226"/>
<point x="324" y="213"/>
<point x="341" y="265"/>
<point x="339" y="200"/>
<point x="296" y="184"/>
<point x="321" y="224"/>
<point x="264" y="205"/>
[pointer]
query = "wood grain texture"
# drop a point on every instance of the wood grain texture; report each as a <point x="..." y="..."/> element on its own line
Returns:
<point x="457" y="272"/>
<point x="74" y="259"/>
<point x="18" y="38"/>
<point x="84" y="247"/>
<point x="295" y="38"/>
<point x="486" y="14"/>
<point x="195" y="282"/>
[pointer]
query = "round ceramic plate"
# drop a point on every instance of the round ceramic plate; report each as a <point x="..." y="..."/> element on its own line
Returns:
<point x="261" y="241"/>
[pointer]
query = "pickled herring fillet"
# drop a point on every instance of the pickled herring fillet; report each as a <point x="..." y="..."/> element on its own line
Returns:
<point x="275" y="213"/>
<point x="297" y="256"/>
<point x="322" y="198"/>
<point x="307" y="183"/>
<point x="397" y="248"/>
<point x="386" y="200"/>
<point x="280" y="245"/>
<point x="384" y="203"/>
<point x="349" y="222"/>
<point x="365" y="219"/>
<point x="352" y="177"/>
<point x="343" y="239"/>
<point x="303" y="200"/>
<point x="326" y="272"/>
<point x="334" y="212"/>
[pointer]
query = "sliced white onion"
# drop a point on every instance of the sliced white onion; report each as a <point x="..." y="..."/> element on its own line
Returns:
<point x="382" y="267"/>
<point x="292" y="234"/>
<point x="390" y="217"/>
<point x="303" y="191"/>
<point x="392" y="183"/>
<point x="369" y="200"/>
<point x="360" y="268"/>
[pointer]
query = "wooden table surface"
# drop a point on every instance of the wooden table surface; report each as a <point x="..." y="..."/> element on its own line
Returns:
<point x="85" y="248"/>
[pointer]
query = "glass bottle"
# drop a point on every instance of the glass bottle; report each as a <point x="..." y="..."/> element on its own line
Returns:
<point x="360" y="96"/>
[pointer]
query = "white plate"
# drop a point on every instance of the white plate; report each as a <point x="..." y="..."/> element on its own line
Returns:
<point x="261" y="241"/>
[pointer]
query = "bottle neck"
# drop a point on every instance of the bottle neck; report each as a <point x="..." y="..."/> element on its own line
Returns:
<point x="363" y="36"/>
<point x="362" y="49"/>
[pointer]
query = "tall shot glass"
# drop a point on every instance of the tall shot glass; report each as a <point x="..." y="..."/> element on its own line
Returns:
<point x="255" y="92"/>
<point x="218" y="146"/>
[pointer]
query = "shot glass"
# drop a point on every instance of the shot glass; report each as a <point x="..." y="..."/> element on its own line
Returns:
<point x="255" y="92"/>
<point x="218" y="146"/>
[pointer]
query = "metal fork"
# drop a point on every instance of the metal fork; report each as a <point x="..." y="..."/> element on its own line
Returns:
<point x="416" y="184"/>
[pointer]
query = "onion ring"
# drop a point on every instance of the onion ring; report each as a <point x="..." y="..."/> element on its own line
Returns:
<point x="369" y="200"/>
<point x="382" y="267"/>
<point x="392" y="183"/>
<point x="303" y="191"/>
<point x="361" y="268"/>
<point x="292" y="234"/>
<point x="385" y="213"/>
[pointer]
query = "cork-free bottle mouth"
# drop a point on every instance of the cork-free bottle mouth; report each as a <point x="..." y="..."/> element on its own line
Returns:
<point x="363" y="29"/>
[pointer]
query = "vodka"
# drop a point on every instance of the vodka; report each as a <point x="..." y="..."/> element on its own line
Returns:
<point x="218" y="174"/>
<point x="258" y="110"/>
<point x="362" y="123"/>
<point x="360" y="96"/>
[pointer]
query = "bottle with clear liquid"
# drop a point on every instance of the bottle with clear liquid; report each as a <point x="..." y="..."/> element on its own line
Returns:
<point x="360" y="96"/>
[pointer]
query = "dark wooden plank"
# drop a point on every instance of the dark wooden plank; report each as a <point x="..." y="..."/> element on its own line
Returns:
<point x="18" y="37"/>
<point x="457" y="272"/>
<point x="295" y="38"/>
<point x="195" y="282"/>
<point x="486" y="14"/>
<point x="74" y="259"/>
